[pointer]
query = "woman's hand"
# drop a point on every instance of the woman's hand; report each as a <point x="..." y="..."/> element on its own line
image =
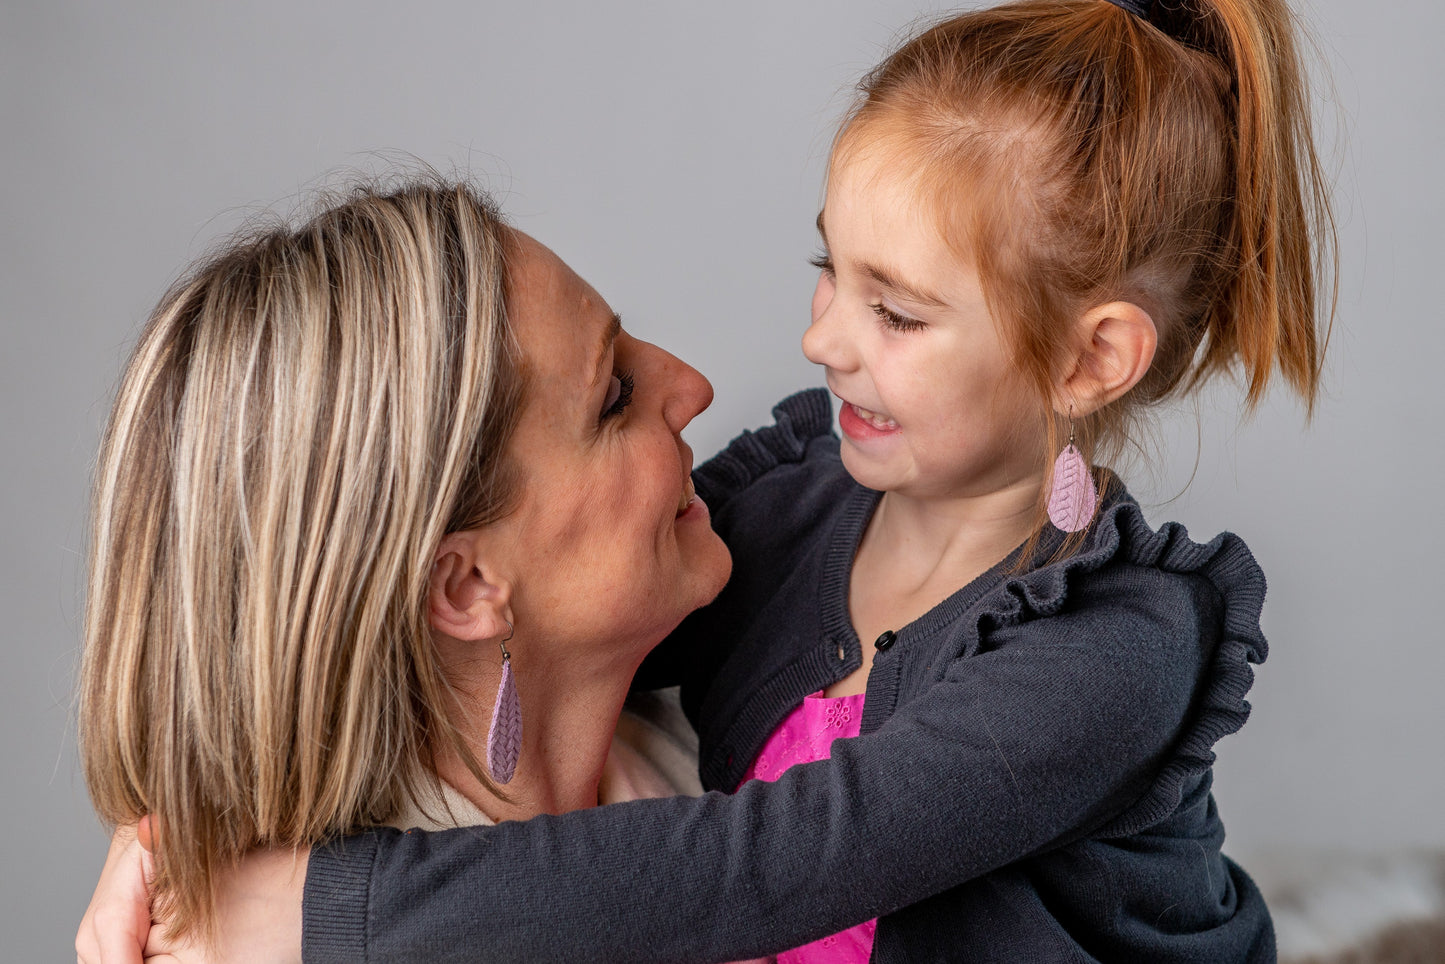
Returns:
<point x="258" y="914"/>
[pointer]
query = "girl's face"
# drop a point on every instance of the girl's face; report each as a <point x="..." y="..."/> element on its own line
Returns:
<point x="932" y="405"/>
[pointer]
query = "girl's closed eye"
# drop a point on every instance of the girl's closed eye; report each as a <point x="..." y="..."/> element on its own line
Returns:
<point x="894" y="320"/>
<point x="822" y="262"/>
<point x="619" y="395"/>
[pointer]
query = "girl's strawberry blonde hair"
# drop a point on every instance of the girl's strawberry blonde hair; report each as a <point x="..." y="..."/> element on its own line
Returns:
<point x="1076" y="153"/>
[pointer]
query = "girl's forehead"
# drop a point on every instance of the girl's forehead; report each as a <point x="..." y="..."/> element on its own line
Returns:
<point x="867" y="197"/>
<point x="883" y="180"/>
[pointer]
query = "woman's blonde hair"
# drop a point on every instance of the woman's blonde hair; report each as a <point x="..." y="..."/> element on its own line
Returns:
<point x="306" y="414"/>
<point x="1076" y="153"/>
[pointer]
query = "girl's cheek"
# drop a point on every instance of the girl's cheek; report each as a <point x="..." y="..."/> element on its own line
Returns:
<point x="822" y="295"/>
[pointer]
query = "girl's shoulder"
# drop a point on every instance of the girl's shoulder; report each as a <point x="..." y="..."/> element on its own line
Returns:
<point x="1126" y="565"/>
<point x="1177" y="620"/>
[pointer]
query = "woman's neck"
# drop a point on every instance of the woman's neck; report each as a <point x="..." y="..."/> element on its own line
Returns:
<point x="568" y="720"/>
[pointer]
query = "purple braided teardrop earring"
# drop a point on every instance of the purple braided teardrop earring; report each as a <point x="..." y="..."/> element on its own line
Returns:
<point x="504" y="739"/>
<point x="1072" y="497"/>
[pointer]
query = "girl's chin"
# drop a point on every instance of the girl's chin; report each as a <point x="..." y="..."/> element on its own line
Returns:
<point x="868" y="469"/>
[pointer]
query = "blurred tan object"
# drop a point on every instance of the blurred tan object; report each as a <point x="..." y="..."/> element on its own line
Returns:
<point x="1342" y="908"/>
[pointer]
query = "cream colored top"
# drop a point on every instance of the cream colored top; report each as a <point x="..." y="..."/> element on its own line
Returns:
<point x="653" y="754"/>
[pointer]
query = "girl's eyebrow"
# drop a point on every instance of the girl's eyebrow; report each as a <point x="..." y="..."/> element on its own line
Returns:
<point x="885" y="278"/>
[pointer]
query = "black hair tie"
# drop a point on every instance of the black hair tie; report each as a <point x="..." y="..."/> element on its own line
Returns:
<point x="1139" y="8"/>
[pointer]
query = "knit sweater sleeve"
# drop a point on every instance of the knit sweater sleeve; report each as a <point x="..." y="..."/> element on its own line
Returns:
<point x="798" y="420"/>
<point x="1059" y="728"/>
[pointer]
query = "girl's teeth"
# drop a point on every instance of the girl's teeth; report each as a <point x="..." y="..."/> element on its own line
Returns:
<point x="874" y="419"/>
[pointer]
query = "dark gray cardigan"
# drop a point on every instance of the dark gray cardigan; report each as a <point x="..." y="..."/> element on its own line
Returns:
<point x="1031" y="782"/>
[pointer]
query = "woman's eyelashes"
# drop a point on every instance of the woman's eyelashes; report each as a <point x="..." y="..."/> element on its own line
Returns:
<point x="822" y="262"/>
<point x="619" y="395"/>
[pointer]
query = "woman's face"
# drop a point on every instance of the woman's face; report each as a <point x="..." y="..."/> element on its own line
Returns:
<point x="608" y="542"/>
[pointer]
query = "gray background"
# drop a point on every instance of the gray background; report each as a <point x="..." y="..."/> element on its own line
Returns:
<point x="673" y="153"/>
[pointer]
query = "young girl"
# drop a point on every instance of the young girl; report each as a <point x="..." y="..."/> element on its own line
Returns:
<point x="1040" y="219"/>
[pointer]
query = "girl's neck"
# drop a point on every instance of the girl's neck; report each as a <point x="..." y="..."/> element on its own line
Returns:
<point x="568" y="721"/>
<point x="917" y="552"/>
<point x="923" y="540"/>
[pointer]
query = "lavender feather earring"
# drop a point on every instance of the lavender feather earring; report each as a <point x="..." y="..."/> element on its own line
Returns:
<point x="1073" y="497"/>
<point x="504" y="739"/>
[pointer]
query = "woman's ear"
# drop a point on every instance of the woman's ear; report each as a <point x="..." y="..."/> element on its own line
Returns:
<point x="1116" y="347"/>
<point x="466" y="599"/>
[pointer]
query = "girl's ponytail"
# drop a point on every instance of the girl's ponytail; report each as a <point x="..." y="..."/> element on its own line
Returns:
<point x="1281" y="231"/>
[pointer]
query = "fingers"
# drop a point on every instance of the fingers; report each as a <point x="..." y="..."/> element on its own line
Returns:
<point x="145" y="833"/>
<point x="117" y="922"/>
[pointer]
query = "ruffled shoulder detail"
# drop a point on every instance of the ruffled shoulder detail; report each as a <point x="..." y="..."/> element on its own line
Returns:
<point x="798" y="420"/>
<point x="1121" y="537"/>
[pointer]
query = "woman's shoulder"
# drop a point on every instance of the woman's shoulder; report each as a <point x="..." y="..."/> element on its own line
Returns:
<point x="654" y="751"/>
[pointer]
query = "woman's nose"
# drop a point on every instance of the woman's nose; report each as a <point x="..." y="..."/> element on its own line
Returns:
<point x="688" y="392"/>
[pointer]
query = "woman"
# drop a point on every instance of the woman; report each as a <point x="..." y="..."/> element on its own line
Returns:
<point x="354" y="469"/>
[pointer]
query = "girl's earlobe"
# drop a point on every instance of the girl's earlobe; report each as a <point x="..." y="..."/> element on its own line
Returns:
<point x="1117" y="342"/>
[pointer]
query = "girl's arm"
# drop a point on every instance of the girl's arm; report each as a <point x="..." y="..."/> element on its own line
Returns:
<point x="1060" y="729"/>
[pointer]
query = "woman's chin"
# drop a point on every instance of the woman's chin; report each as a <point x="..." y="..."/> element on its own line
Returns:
<point x="712" y="565"/>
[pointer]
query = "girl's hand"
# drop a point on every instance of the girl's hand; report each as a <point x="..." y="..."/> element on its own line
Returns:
<point x="117" y="923"/>
<point x="258" y="914"/>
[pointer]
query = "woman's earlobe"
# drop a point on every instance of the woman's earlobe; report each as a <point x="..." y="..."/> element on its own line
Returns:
<point x="1118" y="340"/>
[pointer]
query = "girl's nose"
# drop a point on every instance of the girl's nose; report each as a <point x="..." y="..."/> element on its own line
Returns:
<point x="824" y="343"/>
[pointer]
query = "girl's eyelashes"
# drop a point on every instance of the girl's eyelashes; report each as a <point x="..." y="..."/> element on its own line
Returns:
<point x="894" y="320"/>
<point x="619" y="395"/>
<point x="888" y="316"/>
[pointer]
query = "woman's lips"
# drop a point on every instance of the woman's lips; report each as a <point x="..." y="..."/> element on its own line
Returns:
<point x="689" y="496"/>
<point x="860" y="423"/>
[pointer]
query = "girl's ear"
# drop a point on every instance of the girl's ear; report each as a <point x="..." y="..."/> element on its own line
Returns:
<point x="467" y="599"/>
<point x="1117" y="342"/>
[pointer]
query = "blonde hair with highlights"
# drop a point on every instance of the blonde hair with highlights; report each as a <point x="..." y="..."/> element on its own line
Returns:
<point x="306" y="414"/>
<point x="1076" y="154"/>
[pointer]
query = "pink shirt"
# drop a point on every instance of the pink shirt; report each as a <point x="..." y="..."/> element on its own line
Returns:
<point x="807" y="734"/>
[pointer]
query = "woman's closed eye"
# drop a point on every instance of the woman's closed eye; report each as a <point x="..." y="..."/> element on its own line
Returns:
<point x="822" y="262"/>
<point x="619" y="395"/>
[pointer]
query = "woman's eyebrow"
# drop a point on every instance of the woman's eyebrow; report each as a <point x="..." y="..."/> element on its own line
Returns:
<point x="890" y="280"/>
<point x="604" y="347"/>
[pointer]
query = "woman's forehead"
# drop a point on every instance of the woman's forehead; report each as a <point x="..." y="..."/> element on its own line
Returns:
<point x="564" y="327"/>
